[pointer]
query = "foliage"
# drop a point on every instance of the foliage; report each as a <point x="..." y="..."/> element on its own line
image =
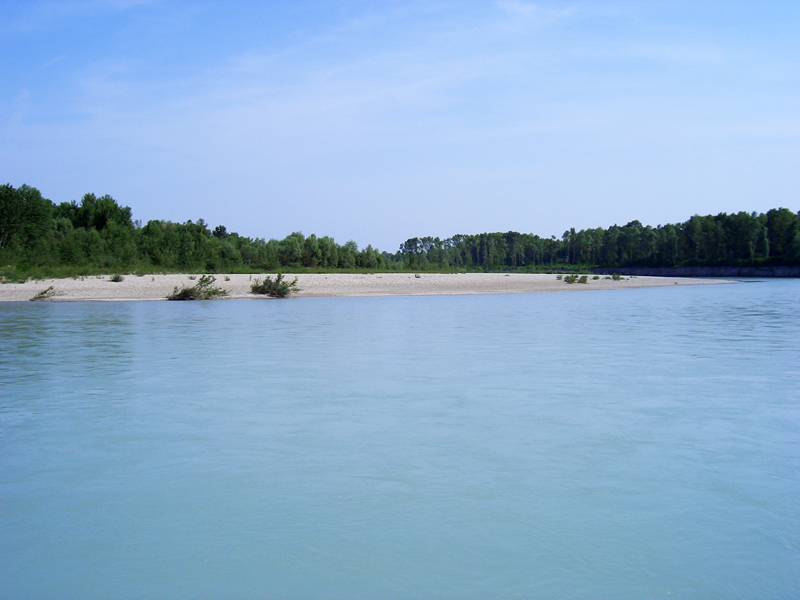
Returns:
<point x="116" y="278"/>
<point x="98" y="235"/>
<point x="739" y="239"/>
<point x="203" y="290"/>
<point x="583" y="279"/>
<point x="44" y="294"/>
<point x="571" y="278"/>
<point x="277" y="288"/>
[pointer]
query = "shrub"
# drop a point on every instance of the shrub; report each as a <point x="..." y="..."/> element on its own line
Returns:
<point x="117" y="278"/>
<point x="44" y="294"/>
<point x="596" y="277"/>
<point x="278" y="288"/>
<point x="584" y="279"/>
<point x="202" y="290"/>
<point x="616" y="277"/>
<point x="571" y="278"/>
<point x="559" y="277"/>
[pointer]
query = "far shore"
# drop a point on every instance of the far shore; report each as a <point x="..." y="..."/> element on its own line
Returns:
<point x="158" y="287"/>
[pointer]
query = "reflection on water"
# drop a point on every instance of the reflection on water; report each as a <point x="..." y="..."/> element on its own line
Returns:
<point x="604" y="444"/>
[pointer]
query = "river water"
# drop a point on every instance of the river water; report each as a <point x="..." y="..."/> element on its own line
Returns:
<point x="603" y="444"/>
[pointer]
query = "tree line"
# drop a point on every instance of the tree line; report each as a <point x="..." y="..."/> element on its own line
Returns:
<point x="741" y="239"/>
<point x="97" y="234"/>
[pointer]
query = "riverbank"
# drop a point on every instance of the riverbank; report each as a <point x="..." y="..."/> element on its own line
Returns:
<point x="762" y="271"/>
<point x="158" y="287"/>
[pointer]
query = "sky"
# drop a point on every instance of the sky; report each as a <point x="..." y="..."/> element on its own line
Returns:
<point x="380" y="121"/>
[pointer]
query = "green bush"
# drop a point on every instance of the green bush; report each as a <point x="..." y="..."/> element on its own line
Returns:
<point x="584" y="279"/>
<point x="202" y="290"/>
<point x="571" y="278"/>
<point x="277" y="288"/>
<point x="45" y="294"/>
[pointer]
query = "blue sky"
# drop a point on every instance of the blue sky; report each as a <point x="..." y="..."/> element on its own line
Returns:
<point x="380" y="121"/>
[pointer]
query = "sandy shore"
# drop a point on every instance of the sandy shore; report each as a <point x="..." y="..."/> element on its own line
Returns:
<point x="157" y="287"/>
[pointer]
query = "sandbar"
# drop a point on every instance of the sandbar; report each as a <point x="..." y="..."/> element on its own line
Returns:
<point x="159" y="286"/>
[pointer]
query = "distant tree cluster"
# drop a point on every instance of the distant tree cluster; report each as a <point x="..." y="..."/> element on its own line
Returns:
<point x="741" y="239"/>
<point x="97" y="234"/>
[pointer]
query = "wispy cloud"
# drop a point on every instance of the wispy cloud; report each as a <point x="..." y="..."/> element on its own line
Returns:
<point x="531" y="12"/>
<point x="25" y="18"/>
<point x="53" y="61"/>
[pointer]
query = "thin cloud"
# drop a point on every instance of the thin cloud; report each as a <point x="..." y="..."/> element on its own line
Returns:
<point x="43" y="16"/>
<point x="50" y="63"/>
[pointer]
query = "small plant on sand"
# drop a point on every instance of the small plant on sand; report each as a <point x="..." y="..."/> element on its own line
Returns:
<point x="192" y="277"/>
<point x="117" y="278"/>
<point x="559" y="277"/>
<point x="202" y="290"/>
<point x="596" y="277"/>
<point x="616" y="277"/>
<point x="571" y="279"/>
<point x="44" y="294"/>
<point x="277" y="288"/>
<point x="584" y="279"/>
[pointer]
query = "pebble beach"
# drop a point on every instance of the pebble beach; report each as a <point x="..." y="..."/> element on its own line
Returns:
<point x="237" y="286"/>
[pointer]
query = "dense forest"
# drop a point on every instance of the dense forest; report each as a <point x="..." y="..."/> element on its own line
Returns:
<point x="38" y="237"/>
<point x="98" y="235"/>
<point x="741" y="239"/>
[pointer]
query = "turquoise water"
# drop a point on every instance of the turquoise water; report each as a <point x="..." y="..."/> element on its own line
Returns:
<point x="622" y="444"/>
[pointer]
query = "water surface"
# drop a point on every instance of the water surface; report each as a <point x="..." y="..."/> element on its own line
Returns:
<point x="622" y="444"/>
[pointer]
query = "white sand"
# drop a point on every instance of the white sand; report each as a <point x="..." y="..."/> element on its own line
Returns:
<point x="157" y="287"/>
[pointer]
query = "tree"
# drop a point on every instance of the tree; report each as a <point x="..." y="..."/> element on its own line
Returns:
<point x="11" y="210"/>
